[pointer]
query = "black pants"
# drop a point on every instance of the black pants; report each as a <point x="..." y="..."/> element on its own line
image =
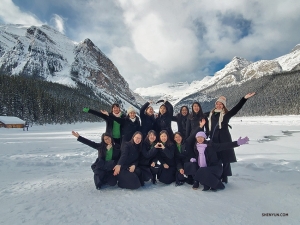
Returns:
<point x="226" y="170"/>
<point x="130" y="180"/>
<point x="209" y="176"/>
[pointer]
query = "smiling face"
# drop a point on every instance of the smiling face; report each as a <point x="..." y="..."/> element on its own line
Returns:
<point x="162" y="109"/>
<point x="107" y="140"/>
<point x="196" y="108"/>
<point x="178" y="138"/>
<point x="184" y="111"/>
<point x="116" y="110"/>
<point x="163" y="137"/>
<point x="137" y="139"/>
<point x="219" y="105"/>
<point x="151" y="138"/>
<point x="150" y="111"/>
<point x="200" y="139"/>
<point x="131" y="115"/>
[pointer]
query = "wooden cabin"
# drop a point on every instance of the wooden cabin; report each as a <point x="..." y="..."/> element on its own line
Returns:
<point x="11" y="122"/>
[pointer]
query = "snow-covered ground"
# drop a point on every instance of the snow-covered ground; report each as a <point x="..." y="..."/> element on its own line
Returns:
<point x="46" y="179"/>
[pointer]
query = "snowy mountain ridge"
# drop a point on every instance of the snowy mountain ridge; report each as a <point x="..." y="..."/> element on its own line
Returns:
<point x="45" y="53"/>
<point x="236" y="72"/>
<point x="172" y="91"/>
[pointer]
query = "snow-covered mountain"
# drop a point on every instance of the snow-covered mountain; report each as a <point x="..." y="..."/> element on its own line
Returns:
<point x="45" y="53"/>
<point x="236" y="72"/>
<point x="174" y="92"/>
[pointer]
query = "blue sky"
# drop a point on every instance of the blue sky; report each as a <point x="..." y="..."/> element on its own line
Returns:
<point x="157" y="41"/>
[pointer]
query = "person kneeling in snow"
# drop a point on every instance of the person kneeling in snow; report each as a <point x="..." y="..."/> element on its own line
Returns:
<point x="108" y="155"/>
<point x="209" y="166"/>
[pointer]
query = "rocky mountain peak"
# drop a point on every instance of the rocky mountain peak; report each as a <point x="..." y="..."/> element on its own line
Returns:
<point x="43" y="52"/>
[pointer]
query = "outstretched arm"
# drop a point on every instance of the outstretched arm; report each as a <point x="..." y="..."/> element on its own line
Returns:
<point x="241" y="103"/>
<point x="96" y="113"/>
<point x="85" y="140"/>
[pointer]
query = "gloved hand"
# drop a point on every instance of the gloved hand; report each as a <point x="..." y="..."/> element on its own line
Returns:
<point x="85" y="109"/>
<point x="160" y="101"/>
<point x="242" y="141"/>
<point x="193" y="160"/>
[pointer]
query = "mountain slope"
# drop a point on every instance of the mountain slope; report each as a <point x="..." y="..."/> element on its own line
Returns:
<point x="44" y="53"/>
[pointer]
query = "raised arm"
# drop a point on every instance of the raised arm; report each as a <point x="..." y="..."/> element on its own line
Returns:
<point x="238" y="106"/>
<point x="86" y="141"/>
<point x="96" y="113"/>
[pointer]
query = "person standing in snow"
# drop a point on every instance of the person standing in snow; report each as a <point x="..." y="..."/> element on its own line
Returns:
<point x="219" y="133"/>
<point x="130" y="124"/>
<point x="128" y="173"/>
<point x="165" y="155"/>
<point x="164" y="118"/>
<point x="147" y="118"/>
<point x="112" y="127"/>
<point x="108" y="156"/>
<point x="205" y="159"/>
<point x="194" y="118"/>
<point x="181" y="119"/>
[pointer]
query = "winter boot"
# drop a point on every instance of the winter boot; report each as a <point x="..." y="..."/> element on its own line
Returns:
<point x="225" y="179"/>
<point x="196" y="185"/>
<point x="205" y="188"/>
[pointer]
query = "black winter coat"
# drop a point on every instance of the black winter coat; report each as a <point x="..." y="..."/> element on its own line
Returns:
<point x="128" y="127"/>
<point x="116" y="148"/>
<point x="148" y="154"/>
<point x="167" y="155"/>
<point x="163" y="122"/>
<point x="101" y="163"/>
<point x="181" y="157"/>
<point x="148" y="122"/>
<point x="130" y="154"/>
<point x="193" y="123"/>
<point x="181" y="124"/>
<point x="211" y="151"/>
<point x="223" y="135"/>
<point x="108" y="119"/>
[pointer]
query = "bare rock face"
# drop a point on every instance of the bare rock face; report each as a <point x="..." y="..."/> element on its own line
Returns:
<point x="47" y="54"/>
<point x="261" y="68"/>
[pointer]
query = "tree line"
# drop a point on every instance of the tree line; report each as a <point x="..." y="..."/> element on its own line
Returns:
<point x="42" y="102"/>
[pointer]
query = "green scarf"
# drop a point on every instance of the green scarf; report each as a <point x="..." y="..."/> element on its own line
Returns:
<point x="178" y="147"/>
<point x="109" y="154"/>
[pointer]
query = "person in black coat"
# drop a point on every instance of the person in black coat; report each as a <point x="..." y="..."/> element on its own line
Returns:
<point x="181" y="119"/>
<point x="181" y="157"/>
<point x="209" y="165"/>
<point x="127" y="171"/>
<point x="219" y="133"/>
<point x="147" y="118"/>
<point x="194" y="118"/>
<point x="130" y="124"/>
<point x="112" y="127"/>
<point x="108" y="156"/>
<point x="164" y="119"/>
<point x="147" y="158"/>
<point x="165" y="155"/>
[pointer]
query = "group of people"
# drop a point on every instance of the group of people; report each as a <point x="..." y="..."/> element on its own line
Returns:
<point x="134" y="150"/>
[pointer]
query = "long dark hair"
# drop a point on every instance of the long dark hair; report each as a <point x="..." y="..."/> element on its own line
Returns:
<point x="180" y="111"/>
<point x="102" y="148"/>
<point x="194" y="115"/>
<point x="169" y="142"/>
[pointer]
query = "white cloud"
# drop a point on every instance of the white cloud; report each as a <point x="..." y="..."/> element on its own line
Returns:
<point x="10" y="13"/>
<point x="58" y="22"/>
<point x="153" y="41"/>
